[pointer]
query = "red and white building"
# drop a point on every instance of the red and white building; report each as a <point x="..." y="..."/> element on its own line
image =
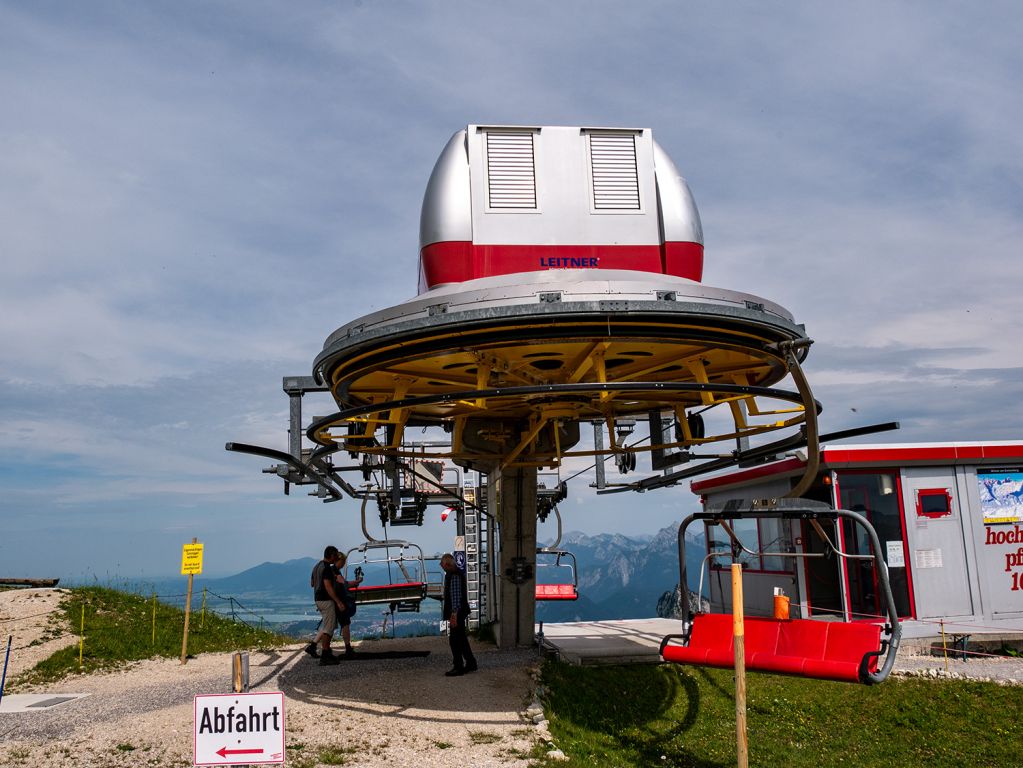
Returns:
<point x="949" y="517"/>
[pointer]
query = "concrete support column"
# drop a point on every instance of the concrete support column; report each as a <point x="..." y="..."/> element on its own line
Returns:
<point x="512" y="497"/>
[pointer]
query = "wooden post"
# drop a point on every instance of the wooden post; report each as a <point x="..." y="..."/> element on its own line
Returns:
<point x="188" y="613"/>
<point x="154" y="618"/>
<point x="944" y="645"/>
<point x="739" y="641"/>
<point x="236" y="668"/>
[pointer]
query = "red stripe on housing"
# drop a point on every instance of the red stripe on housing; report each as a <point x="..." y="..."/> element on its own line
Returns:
<point x="888" y="455"/>
<point x="458" y="261"/>
<point x="1003" y="451"/>
<point x="746" y="475"/>
<point x="903" y="455"/>
<point x="917" y="454"/>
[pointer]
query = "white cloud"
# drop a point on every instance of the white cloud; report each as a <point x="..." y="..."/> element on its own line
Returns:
<point x="192" y="197"/>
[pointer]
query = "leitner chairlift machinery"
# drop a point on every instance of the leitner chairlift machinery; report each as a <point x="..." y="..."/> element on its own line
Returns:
<point x="403" y="591"/>
<point x="830" y="650"/>
<point x="564" y="562"/>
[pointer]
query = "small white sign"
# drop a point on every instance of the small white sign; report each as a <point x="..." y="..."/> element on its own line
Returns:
<point x="459" y="543"/>
<point x="239" y="728"/>
<point x="929" y="558"/>
<point x="896" y="554"/>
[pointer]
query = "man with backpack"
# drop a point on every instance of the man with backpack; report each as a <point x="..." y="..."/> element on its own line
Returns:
<point x="328" y="603"/>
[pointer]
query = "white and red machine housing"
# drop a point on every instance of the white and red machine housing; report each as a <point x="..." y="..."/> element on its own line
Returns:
<point x="504" y="200"/>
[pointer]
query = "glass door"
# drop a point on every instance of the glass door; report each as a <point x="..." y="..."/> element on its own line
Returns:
<point x="875" y="495"/>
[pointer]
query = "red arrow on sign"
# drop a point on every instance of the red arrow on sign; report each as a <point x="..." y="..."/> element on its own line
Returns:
<point x="224" y="752"/>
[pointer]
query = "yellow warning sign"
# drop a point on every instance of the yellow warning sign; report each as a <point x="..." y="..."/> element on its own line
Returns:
<point x="191" y="559"/>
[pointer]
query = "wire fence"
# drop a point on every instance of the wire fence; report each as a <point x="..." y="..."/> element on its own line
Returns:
<point x="955" y="635"/>
<point x="164" y="613"/>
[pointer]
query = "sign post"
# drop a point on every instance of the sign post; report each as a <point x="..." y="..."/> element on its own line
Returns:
<point x="739" y="644"/>
<point x="191" y="564"/>
<point x="239" y="728"/>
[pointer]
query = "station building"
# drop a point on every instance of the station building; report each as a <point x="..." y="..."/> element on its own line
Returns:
<point x="949" y="517"/>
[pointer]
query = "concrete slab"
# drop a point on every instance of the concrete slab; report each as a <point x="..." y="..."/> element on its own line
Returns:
<point x="36" y="702"/>
<point x="625" y="641"/>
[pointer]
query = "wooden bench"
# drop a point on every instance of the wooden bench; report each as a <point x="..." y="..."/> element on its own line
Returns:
<point x="820" y="649"/>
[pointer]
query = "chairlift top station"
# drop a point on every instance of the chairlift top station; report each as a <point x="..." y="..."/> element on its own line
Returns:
<point x="560" y="284"/>
<point x="559" y="274"/>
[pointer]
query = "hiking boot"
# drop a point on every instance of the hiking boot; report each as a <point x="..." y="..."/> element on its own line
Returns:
<point x="311" y="650"/>
<point x="454" y="673"/>
<point x="349" y="652"/>
<point x="329" y="659"/>
<point x="471" y="667"/>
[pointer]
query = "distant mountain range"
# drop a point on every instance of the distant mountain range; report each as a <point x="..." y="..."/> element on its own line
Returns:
<point x="619" y="577"/>
<point x="622" y="577"/>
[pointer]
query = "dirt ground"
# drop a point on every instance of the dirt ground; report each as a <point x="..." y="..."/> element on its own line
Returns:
<point x="363" y="712"/>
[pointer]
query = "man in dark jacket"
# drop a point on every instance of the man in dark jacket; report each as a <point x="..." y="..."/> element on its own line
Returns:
<point x="456" y="610"/>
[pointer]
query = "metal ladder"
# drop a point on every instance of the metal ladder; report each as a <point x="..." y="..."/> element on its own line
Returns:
<point x="471" y="520"/>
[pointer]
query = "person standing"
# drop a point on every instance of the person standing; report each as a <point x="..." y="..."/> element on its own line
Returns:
<point x="328" y="603"/>
<point x="456" y="610"/>
<point x="344" y="616"/>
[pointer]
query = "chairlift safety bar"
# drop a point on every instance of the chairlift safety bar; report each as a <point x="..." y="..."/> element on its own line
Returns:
<point x="792" y="509"/>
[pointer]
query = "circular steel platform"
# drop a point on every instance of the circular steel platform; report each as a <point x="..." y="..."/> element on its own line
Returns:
<point x="555" y="348"/>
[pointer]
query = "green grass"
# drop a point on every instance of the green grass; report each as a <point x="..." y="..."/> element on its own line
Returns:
<point x="119" y="629"/>
<point x="483" y="737"/>
<point x="671" y="715"/>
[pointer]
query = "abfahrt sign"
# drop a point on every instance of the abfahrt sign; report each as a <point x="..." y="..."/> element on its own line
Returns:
<point x="239" y="728"/>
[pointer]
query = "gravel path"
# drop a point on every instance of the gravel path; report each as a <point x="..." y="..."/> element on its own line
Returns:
<point x="1005" y="670"/>
<point x="369" y="713"/>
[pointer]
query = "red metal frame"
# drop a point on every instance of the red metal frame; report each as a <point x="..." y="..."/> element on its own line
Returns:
<point x="905" y="547"/>
<point x="836" y="495"/>
<point x="921" y="492"/>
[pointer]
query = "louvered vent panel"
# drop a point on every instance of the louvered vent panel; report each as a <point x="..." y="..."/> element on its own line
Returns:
<point x="615" y="180"/>
<point x="511" y="178"/>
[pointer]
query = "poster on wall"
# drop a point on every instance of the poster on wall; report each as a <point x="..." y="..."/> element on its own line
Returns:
<point x="1001" y="495"/>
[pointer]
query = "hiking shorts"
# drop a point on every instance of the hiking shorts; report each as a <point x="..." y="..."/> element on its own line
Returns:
<point x="329" y="621"/>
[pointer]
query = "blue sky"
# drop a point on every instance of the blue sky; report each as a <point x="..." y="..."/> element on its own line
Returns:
<point x="194" y="195"/>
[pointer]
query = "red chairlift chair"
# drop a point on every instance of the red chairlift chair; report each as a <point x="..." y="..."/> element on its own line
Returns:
<point x="562" y="589"/>
<point x="829" y="650"/>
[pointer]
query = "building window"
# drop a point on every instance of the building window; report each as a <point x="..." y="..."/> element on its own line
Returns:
<point x="762" y="536"/>
<point x="933" y="502"/>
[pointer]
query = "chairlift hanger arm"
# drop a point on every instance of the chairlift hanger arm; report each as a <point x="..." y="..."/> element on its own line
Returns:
<point x="316" y="459"/>
<point x="554" y="547"/>
<point x="810" y="430"/>
<point x="763" y="452"/>
<point x="286" y="458"/>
